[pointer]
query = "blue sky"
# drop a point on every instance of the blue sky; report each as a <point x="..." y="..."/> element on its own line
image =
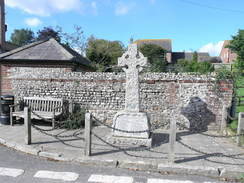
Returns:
<point x="191" y="24"/>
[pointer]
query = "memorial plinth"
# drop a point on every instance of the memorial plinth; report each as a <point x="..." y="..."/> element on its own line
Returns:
<point x="131" y="126"/>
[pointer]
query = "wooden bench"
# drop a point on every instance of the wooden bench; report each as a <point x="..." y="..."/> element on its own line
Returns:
<point x="42" y="108"/>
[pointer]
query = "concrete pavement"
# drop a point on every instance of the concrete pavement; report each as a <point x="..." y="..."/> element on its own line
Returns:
<point x="196" y="154"/>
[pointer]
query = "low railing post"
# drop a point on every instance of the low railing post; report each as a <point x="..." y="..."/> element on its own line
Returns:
<point x="71" y="106"/>
<point x="11" y="116"/>
<point x="240" y="128"/>
<point x="224" y="119"/>
<point x="27" y="121"/>
<point x="172" y="140"/>
<point x="88" y="126"/>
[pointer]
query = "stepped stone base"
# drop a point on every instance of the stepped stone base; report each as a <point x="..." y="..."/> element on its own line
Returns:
<point x="127" y="141"/>
<point x="134" y="125"/>
<point x="135" y="129"/>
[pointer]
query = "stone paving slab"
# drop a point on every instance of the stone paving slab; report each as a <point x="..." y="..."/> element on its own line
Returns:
<point x="195" y="153"/>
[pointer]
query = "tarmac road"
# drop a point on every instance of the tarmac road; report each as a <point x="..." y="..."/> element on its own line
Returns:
<point x="16" y="167"/>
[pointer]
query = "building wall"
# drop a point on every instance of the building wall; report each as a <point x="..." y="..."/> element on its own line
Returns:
<point x="5" y="73"/>
<point x="226" y="55"/>
<point x="192" y="99"/>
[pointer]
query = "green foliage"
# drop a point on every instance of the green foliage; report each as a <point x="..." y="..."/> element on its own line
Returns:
<point x="103" y="53"/>
<point x="75" y="40"/>
<point x="241" y="178"/>
<point x="194" y="66"/>
<point x="223" y="74"/>
<point x="156" y="57"/>
<point x="21" y="37"/>
<point x="233" y="125"/>
<point x="195" y="57"/>
<point x="76" y="120"/>
<point x="47" y="33"/>
<point x="237" y="45"/>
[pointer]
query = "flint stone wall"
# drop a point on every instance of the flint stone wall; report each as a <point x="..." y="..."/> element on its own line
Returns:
<point x="192" y="99"/>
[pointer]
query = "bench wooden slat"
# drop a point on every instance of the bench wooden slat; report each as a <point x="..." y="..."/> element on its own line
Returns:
<point x="43" y="106"/>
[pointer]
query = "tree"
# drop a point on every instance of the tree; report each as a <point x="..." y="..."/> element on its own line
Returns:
<point x="21" y="37"/>
<point x="237" y="46"/>
<point x="47" y="33"/>
<point x="156" y="57"/>
<point x="193" y="66"/>
<point x="75" y="40"/>
<point x="103" y="53"/>
<point x="195" y="56"/>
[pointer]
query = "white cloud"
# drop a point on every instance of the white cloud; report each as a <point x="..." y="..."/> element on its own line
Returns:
<point x="212" y="48"/>
<point x="123" y="8"/>
<point x="94" y="7"/>
<point x="33" y="22"/>
<point x="45" y="7"/>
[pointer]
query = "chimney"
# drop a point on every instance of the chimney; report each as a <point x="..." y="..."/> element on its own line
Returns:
<point x="2" y="24"/>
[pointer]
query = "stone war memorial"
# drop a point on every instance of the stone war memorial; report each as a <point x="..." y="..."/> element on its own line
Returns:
<point x="131" y="125"/>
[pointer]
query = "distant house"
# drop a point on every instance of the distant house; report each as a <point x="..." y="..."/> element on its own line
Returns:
<point x="173" y="57"/>
<point x="201" y="56"/>
<point x="163" y="43"/>
<point x="226" y="55"/>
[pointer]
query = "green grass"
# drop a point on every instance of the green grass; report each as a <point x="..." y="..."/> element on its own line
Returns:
<point x="239" y="108"/>
<point x="240" y="92"/>
<point x="233" y="125"/>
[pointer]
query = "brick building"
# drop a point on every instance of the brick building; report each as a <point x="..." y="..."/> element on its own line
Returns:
<point x="163" y="43"/>
<point x="173" y="57"/>
<point x="226" y="55"/>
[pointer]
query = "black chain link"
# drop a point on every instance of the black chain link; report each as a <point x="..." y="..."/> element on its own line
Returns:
<point x="75" y="134"/>
<point x="234" y="156"/>
<point x="216" y="136"/>
<point x="44" y="119"/>
<point x="232" y="118"/>
<point x="126" y="131"/>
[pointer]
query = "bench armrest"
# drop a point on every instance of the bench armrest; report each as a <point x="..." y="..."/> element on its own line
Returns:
<point x="11" y="106"/>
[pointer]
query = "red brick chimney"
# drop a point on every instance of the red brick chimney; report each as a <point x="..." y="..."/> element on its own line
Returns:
<point x="2" y="24"/>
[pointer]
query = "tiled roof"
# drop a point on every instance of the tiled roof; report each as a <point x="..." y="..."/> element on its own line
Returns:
<point x="48" y="50"/>
<point x="164" y="43"/>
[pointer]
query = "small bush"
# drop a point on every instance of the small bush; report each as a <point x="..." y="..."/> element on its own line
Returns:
<point x="233" y="125"/>
<point x="75" y="120"/>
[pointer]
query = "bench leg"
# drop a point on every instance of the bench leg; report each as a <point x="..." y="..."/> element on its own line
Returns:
<point x="11" y="117"/>
<point x="53" y="123"/>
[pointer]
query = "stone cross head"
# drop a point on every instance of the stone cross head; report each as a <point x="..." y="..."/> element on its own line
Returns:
<point x="132" y="59"/>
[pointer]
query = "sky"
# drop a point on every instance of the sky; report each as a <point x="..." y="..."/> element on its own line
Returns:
<point x="193" y="25"/>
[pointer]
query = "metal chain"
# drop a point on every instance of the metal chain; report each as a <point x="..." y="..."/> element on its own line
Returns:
<point x="205" y="153"/>
<point x="138" y="148"/>
<point x="232" y="118"/>
<point x="126" y="131"/>
<point x="52" y="135"/>
<point x="216" y="136"/>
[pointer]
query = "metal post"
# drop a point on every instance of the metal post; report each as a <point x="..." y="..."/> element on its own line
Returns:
<point x="172" y="140"/>
<point x="27" y="121"/>
<point x="240" y="128"/>
<point x="88" y="126"/>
